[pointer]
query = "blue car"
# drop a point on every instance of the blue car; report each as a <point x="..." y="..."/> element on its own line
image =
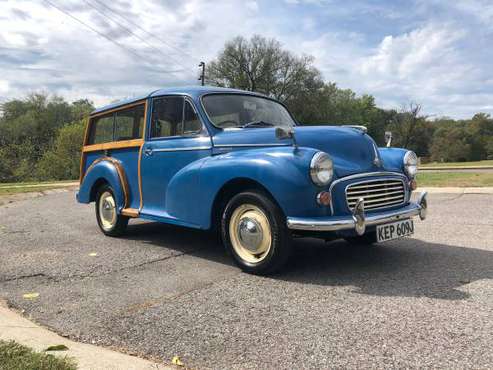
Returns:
<point x="238" y="163"/>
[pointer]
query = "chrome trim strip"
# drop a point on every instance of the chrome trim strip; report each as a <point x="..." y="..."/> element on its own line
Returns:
<point x="348" y="222"/>
<point x="356" y="176"/>
<point x="248" y="145"/>
<point x="184" y="149"/>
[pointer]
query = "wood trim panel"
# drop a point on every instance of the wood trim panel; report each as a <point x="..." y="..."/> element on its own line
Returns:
<point x="82" y="155"/>
<point x="140" y="157"/>
<point x="113" y="145"/>
<point x="130" y="212"/>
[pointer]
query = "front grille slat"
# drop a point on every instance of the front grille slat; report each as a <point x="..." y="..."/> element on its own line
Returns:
<point x="377" y="194"/>
<point x="375" y="185"/>
<point x="376" y="190"/>
<point x="383" y="200"/>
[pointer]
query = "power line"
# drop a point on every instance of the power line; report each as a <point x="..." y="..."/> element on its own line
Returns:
<point x="130" y="32"/>
<point x="127" y="49"/>
<point x="144" y="30"/>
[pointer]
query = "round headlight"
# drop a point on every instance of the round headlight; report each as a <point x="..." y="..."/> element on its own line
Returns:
<point x="410" y="164"/>
<point x="321" y="169"/>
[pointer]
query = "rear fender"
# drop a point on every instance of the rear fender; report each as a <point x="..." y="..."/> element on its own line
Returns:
<point x="104" y="170"/>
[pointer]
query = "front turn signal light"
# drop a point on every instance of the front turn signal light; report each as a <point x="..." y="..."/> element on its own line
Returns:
<point x="413" y="185"/>
<point x="323" y="198"/>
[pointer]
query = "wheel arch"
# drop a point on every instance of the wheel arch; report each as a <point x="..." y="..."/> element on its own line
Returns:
<point x="101" y="171"/>
<point x="230" y="189"/>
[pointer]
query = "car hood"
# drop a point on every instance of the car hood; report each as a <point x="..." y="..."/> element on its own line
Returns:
<point x="351" y="150"/>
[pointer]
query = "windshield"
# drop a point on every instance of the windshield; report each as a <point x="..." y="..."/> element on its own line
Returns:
<point x="236" y="110"/>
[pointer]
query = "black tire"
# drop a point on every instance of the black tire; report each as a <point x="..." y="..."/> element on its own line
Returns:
<point x="280" y="247"/>
<point x="366" y="240"/>
<point x="121" y="223"/>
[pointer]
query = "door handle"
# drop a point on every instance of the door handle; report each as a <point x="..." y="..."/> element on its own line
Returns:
<point x="148" y="151"/>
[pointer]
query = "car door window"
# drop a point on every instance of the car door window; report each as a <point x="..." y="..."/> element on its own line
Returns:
<point x="167" y="117"/>
<point x="174" y="116"/>
<point x="129" y="123"/>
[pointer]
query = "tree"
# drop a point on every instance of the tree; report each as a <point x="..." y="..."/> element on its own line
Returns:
<point x="450" y="144"/>
<point x="260" y="64"/>
<point x="28" y="129"/>
<point x="63" y="160"/>
<point x="411" y="129"/>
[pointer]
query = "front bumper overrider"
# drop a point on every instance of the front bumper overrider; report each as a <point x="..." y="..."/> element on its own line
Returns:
<point x="358" y="221"/>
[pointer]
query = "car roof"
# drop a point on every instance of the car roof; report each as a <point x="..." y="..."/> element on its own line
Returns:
<point x="193" y="91"/>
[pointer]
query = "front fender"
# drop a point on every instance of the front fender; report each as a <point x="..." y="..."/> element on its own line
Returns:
<point x="283" y="172"/>
<point x="103" y="170"/>
<point x="392" y="158"/>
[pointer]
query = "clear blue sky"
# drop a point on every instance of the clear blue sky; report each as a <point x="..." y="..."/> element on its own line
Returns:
<point x="437" y="53"/>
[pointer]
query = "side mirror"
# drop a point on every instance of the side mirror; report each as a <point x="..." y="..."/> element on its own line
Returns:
<point x="388" y="138"/>
<point x="282" y="133"/>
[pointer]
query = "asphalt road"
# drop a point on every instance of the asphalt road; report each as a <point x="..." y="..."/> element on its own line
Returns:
<point x="164" y="291"/>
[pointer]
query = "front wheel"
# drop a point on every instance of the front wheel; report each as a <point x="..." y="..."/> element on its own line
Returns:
<point x="254" y="232"/>
<point x="110" y="222"/>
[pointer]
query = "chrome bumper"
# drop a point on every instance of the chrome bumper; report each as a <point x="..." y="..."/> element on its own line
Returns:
<point x="358" y="221"/>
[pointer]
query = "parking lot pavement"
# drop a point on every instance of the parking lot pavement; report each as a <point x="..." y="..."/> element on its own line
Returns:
<point x="163" y="291"/>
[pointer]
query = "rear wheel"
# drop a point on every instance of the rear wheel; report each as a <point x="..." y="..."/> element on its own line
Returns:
<point x="110" y="222"/>
<point x="365" y="240"/>
<point x="254" y="232"/>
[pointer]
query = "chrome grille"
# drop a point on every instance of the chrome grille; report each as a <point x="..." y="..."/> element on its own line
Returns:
<point x="376" y="194"/>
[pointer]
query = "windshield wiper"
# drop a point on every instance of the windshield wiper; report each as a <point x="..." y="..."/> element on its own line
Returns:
<point x="257" y="123"/>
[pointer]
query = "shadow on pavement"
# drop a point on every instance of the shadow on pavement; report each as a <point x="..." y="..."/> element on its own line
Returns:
<point x="404" y="268"/>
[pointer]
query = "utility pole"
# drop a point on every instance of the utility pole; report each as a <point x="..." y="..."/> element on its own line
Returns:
<point x="202" y="75"/>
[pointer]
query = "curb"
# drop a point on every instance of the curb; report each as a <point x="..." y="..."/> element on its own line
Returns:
<point x="455" y="190"/>
<point x="454" y="168"/>
<point x="15" y="327"/>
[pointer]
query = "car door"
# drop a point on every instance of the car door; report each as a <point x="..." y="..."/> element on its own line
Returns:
<point x="175" y="138"/>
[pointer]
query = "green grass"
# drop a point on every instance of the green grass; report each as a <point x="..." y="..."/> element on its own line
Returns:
<point x="458" y="164"/>
<point x="8" y="184"/>
<point x="14" y="356"/>
<point x="455" y="179"/>
<point x="27" y="187"/>
<point x="9" y="191"/>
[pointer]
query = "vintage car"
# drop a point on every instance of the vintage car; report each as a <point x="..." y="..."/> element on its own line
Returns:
<point x="237" y="162"/>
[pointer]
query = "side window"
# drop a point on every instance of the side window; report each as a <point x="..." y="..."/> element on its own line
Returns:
<point x="167" y="117"/>
<point x="129" y="123"/>
<point x="191" y="123"/>
<point x="101" y="130"/>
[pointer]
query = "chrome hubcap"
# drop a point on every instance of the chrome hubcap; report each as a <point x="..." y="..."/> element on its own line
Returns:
<point x="250" y="233"/>
<point x="107" y="210"/>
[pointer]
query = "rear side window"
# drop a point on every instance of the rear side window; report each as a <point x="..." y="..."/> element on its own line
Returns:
<point x="173" y="116"/>
<point x="101" y="130"/>
<point x="126" y="124"/>
<point x="129" y="123"/>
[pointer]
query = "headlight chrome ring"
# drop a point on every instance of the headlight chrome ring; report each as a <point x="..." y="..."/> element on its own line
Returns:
<point x="410" y="163"/>
<point x="321" y="169"/>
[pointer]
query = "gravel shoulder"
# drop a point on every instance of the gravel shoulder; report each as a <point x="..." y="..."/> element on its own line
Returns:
<point x="164" y="291"/>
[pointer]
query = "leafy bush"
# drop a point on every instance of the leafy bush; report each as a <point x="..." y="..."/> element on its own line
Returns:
<point x="62" y="161"/>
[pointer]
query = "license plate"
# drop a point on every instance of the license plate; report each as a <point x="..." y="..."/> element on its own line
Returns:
<point x="395" y="230"/>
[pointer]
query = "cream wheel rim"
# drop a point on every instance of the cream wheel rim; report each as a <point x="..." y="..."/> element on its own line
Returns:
<point x="250" y="233"/>
<point x="107" y="210"/>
